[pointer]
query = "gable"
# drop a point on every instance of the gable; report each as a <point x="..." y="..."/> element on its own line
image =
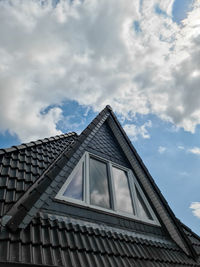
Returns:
<point x="105" y="145"/>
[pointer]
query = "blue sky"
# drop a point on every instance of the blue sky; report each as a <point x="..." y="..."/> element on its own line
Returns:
<point x="63" y="66"/>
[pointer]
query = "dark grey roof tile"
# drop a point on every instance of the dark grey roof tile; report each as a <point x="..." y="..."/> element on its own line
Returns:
<point x="10" y="196"/>
<point x="12" y="184"/>
<point x="4" y="250"/>
<point x="58" y="257"/>
<point x="45" y="236"/>
<point x="5" y="171"/>
<point x="4" y="181"/>
<point x="55" y="237"/>
<point x="13" y="173"/>
<point x="20" y="186"/>
<point x="98" y="260"/>
<point x="63" y="239"/>
<point x="27" y="253"/>
<point x="74" y="258"/>
<point x="15" y="252"/>
<point x="37" y="255"/>
<point x="36" y="234"/>
<point x="2" y="194"/>
<point x="48" y="256"/>
<point x="66" y="258"/>
<point x="6" y="161"/>
<point x="84" y="260"/>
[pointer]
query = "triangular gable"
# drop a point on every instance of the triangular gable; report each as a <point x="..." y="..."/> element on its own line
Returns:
<point x="48" y="185"/>
<point x="105" y="144"/>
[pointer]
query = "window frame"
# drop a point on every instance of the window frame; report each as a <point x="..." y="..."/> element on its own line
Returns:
<point x="132" y="183"/>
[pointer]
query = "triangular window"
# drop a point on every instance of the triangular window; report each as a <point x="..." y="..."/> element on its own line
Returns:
<point x="75" y="187"/>
<point x="143" y="211"/>
<point x="101" y="184"/>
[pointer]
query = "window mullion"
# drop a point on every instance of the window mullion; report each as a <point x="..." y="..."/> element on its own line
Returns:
<point x="87" y="182"/>
<point x="133" y="193"/>
<point x="112" y="189"/>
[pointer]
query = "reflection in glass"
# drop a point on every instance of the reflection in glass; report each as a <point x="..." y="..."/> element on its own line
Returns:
<point x="99" y="192"/>
<point x="75" y="187"/>
<point x="143" y="212"/>
<point x="123" y="197"/>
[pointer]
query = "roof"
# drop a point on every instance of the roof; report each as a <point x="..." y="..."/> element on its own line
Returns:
<point x="21" y="166"/>
<point x="60" y="241"/>
<point x="31" y="232"/>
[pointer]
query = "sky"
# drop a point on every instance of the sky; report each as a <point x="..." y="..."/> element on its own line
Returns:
<point x="61" y="62"/>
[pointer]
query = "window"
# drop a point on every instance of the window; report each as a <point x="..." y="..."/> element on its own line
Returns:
<point x="98" y="184"/>
<point x="74" y="189"/>
<point x="122" y="192"/>
<point x="104" y="185"/>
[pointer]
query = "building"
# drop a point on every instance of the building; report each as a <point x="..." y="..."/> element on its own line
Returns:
<point x="87" y="201"/>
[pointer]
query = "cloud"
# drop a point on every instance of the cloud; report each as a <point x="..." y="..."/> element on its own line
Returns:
<point x="184" y="174"/>
<point x="194" y="150"/>
<point x="195" y="206"/>
<point x="161" y="149"/>
<point x="89" y="51"/>
<point x="134" y="131"/>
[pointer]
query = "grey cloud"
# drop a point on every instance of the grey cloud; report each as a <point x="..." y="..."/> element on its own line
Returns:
<point x="86" y="50"/>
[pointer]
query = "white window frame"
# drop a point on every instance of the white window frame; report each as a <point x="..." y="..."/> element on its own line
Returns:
<point x="132" y="182"/>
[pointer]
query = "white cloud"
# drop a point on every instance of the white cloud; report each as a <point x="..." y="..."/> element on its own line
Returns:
<point x="181" y="147"/>
<point x="195" y="206"/>
<point x="88" y="51"/>
<point x="161" y="149"/>
<point x="194" y="150"/>
<point x="134" y="131"/>
<point x="184" y="174"/>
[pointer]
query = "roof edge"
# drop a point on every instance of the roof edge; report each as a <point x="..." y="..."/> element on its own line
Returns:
<point x="34" y="143"/>
<point x="189" y="230"/>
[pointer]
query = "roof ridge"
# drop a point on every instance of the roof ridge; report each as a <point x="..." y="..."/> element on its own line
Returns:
<point x="35" y="143"/>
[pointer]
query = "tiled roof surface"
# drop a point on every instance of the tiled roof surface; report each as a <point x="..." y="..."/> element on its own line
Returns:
<point x="52" y="242"/>
<point x="21" y="166"/>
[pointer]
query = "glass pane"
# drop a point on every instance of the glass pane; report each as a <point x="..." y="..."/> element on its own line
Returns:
<point x="99" y="192"/>
<point x="75" y="187"/>
<point x="122" y="191"/>
<point x="143" y="212"/>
